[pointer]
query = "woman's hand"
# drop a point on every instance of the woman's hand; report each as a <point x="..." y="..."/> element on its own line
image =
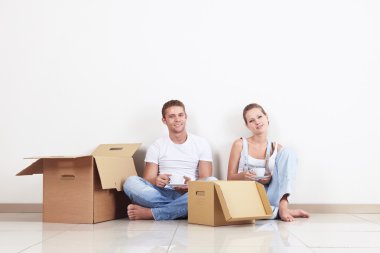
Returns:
<point x="162" y="180"/>
<point x="265" y="180"/>
<point x="247" y="175"/>
<point x="251" y="176"/>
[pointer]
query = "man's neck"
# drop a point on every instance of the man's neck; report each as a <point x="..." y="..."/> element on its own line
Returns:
<point x="178" y="138"/>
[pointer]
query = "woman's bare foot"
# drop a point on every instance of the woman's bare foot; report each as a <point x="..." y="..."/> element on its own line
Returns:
<point x="285" y="215"/>
<point x="299" y="213"/>
<point x="136" y="212"/>
<point x="288" y="215"/>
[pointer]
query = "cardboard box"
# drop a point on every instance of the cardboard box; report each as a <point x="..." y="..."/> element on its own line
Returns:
<point x="218" y="203"/>
<point x="85" y="189"/>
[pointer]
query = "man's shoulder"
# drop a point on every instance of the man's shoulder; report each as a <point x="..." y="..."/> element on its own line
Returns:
<point x="160" y="141"/>
<point x="197" y="137"/>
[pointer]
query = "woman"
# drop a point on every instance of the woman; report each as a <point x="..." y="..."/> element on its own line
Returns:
<point x="279" y="162"/>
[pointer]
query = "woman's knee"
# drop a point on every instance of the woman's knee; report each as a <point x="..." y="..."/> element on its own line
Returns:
<point x="287" y="153"/>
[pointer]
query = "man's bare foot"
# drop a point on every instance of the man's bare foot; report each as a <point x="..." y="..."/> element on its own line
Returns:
<point x="136" y="212"/>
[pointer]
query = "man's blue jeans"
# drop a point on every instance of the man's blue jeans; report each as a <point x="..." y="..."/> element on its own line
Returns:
<point x="165" y="203"/>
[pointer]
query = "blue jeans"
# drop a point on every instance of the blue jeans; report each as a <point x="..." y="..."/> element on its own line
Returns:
<point x="283" y="176"/>
<point x="165" y="203"/>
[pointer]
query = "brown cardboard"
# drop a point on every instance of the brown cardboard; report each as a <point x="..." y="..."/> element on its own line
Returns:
<point x="85" y="189"/>
<point x="218" y="203"/>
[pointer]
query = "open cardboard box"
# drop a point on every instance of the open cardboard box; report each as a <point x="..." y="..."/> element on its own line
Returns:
<point x="85" y="189"/>
<point x="217" y="203"/>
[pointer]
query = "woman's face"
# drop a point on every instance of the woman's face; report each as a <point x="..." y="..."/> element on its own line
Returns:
<point x="257" y="122"/>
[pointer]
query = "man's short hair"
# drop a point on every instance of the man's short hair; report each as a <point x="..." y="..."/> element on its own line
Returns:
<point x="171" y="103"/>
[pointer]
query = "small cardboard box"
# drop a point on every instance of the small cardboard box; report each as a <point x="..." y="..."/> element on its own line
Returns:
<point x="85" y="189"/>
<point x="218" y="203"/>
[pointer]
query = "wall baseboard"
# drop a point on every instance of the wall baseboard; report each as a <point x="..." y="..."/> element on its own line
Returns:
<point x="338" y="208"/>
<point x="21" y="208"/>
<point x="312" y="208"/>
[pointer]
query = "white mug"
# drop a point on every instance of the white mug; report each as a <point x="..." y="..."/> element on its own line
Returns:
<point x="260" y="171"/>
<point x="177" y="179"/>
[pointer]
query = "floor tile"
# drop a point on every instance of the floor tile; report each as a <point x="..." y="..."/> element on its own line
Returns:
<point x="346" y="250"/>
<point x="106" y="241"/>
<point x="370" y="217"/>
<point x="125" y="224"/>
<point x="332" y="222"/>
<point x="15" y="241"/>
<point x="239" y="249"/>
<point x="339" y="239"/>
<point x="228" y="236"/>
<point x="29" y="221"/>
<point x="322" y="233"/>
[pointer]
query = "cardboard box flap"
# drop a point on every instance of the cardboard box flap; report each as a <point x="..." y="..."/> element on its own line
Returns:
<point x="52" y="157"/>
<point x="264" y="201"/>
<point x="116" y="150"/>
<point x="34" y="168"/>
<point x="240" y="200"/>
<point x="114" y="170"/>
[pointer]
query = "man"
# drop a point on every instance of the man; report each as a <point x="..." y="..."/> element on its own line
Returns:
<point x="179" y="153"/>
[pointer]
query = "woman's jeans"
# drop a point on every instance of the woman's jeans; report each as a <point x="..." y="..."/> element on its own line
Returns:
<point x="165" y="203"/>
<point x="283" y="176"/>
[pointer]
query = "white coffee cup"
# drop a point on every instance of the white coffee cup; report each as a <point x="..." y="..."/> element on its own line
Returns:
<point x="177" y="179"/>
<point x="260" y="171"/>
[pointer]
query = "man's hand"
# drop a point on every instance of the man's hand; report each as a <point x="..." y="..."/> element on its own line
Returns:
<point x="185" y="188"/>
<point x="162" y="180"/>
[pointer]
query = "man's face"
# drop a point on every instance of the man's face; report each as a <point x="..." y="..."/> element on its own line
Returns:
<point x="175" y="119"/>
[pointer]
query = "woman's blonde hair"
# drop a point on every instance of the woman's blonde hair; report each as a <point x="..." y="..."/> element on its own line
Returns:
<point x="251" y="106"/>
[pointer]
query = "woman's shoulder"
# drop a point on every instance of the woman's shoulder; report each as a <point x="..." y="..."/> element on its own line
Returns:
<point x="238" y="143"/>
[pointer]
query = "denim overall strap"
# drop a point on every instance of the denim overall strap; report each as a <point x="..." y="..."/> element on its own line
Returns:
<point x="245" y="153"/>
<point x="267" y="157"/>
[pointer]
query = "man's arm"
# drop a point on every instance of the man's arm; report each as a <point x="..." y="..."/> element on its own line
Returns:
<point x="204" y="169"/>
<point x="151" y="175"/>
<point x="150" y="172"/>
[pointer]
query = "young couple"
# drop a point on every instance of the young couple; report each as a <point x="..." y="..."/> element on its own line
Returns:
<point x="191" y="156"/>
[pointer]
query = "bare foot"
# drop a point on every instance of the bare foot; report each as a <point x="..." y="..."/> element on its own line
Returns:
<point x="285" y="215"/>
<point x="136" y="212"/>
<point x="299" y="213"/>
<point x="288" y="215"/>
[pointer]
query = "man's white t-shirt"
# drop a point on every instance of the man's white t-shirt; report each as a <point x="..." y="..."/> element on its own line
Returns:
<point x="179" y="159"/>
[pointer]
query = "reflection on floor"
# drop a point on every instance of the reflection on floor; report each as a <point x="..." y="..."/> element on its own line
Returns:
<point x="322" y="233"/>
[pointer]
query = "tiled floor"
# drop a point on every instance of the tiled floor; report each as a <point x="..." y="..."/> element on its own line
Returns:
<point x="322" y="233"/>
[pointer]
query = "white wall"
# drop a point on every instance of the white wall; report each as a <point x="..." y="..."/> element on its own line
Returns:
<point x="74" y="74"/>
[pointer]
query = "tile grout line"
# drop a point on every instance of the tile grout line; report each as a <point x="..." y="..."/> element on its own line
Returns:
<point x="48" y="238"/>
<point x="171" y="241"/>
<point x="295" y="236"/>
<point x="370" y="221"/>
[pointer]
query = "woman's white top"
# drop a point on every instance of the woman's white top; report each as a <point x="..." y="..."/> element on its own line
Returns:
<point x="247" y="162"/>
